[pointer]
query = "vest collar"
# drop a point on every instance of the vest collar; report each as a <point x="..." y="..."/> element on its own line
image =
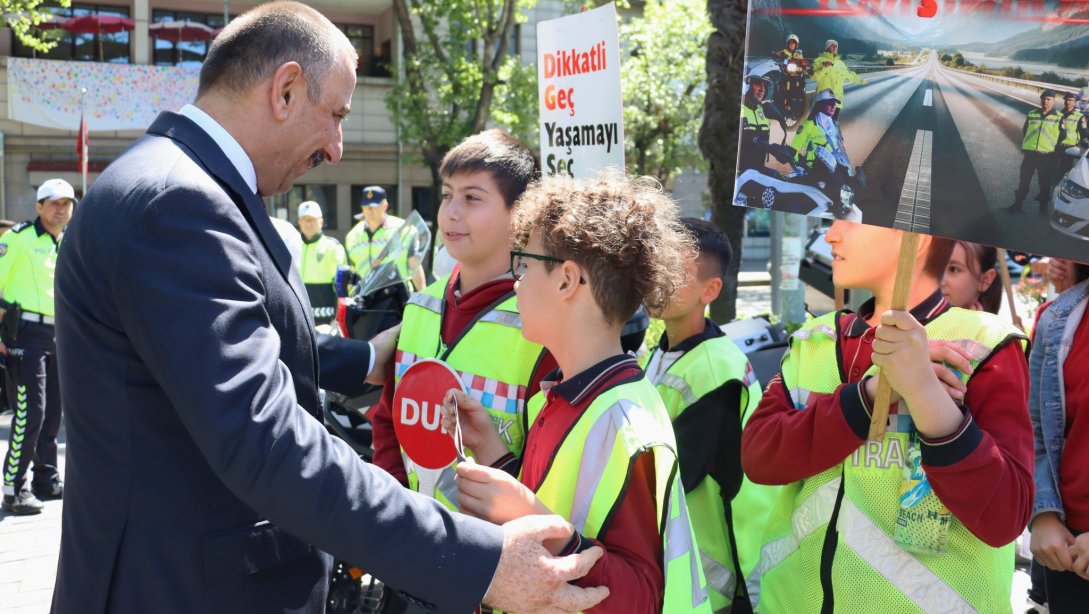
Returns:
<point x="932" y="307"/>
<point x="313" y="239"/>
<point x="588" y="384"/>
<point x="710" y="331"/>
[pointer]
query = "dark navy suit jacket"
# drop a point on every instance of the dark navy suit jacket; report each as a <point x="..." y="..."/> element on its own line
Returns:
<point x="198" y="477"/>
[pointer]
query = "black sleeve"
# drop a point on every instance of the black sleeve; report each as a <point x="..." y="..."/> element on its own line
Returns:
<point x="709" y="439"/>
<point x="343" y="364"/>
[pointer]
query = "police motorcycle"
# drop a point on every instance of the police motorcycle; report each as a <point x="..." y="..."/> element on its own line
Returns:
<point x="372" y="304"/>
<point x="791" y="97"/>
<point x="801" y="190"/>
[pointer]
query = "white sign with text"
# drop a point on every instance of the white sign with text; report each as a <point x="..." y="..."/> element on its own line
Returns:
<point x="581" y="104"/>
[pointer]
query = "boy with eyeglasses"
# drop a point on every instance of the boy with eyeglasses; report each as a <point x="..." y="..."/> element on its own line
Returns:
<point x="600" y="449"/>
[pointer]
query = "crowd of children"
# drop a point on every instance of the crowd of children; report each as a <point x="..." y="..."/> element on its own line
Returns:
<point x="705" y="491"/>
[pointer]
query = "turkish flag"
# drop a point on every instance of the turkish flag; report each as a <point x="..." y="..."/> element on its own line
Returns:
<point x="81" y="146"/>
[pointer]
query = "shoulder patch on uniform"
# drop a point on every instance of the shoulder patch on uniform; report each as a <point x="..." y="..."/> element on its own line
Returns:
<point x="3" y="248"/>
<point x="21" y="226"/>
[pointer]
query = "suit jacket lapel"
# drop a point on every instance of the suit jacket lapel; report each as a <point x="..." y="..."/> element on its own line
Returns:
<point x="219" y="167"/>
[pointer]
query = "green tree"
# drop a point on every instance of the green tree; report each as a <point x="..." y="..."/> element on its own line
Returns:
<point x="718" y="134"/>
<point x="663" y="81"/>
<point x="24" y="16"/>
<point x="459" y="74"/>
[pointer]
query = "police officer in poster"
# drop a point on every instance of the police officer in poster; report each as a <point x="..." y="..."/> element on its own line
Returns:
<point x="28" y="258"/>
<point x="755" y="127"/>
<point x="1040" y="137"/>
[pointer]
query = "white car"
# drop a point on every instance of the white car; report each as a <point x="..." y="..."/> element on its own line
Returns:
<point x="1070" y="200"/>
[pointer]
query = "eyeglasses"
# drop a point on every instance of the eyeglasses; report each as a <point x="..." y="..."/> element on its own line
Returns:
<point x="518" y="263"/>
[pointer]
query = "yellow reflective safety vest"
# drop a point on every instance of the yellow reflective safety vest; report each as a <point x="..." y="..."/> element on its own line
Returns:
<point x="364" y="247"/>
<point x="319" y="260"/>
<point x="1069" y="128"/>
<point x="589" y="474"/>
<point x="692" y="376"/>
<point x="1041" y="131"/>
<point x="754" y="120"/>
<point x="832" y="77"/>
<point x="809" y="137"/>
<point x="492" y="358"/>
<point x="28" y="260"/>
<point x="858" y="502"/>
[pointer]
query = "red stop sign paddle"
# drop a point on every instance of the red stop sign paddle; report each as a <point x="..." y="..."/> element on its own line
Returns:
<point x="417" y="404"/>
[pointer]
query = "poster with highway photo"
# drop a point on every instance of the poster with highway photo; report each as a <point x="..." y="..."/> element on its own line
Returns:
<point x="871" y="112"/>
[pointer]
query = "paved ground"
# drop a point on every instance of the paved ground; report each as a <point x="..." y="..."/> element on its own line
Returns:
<point x="29" y="544"/>
<point x="28" y="549"/>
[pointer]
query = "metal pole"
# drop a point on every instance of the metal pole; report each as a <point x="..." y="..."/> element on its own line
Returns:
<point x="85" y="146"/>
<point x="776" y="262"/>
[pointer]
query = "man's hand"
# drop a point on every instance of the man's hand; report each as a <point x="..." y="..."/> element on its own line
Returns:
<point x="529" y="579"/>
<point x="494" y="495"/>
<point x="1051" y="542"/>
<point x="1080" y="552"/>
<point x="384" y="344"/>
<point x="478" y="433"/>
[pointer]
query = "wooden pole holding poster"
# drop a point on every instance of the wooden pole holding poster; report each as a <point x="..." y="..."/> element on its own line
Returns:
<point x="905" y="267"/>
<point x="1007" y="285"/>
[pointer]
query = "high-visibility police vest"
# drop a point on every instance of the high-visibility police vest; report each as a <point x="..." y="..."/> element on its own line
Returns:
<point x="363" y="247"/>
<point x="319" y="260"/>
<point x="1041" y="132"/>
<point x="28" y="260"/>
<point x="832" y="77"/>
<point x="492" y="358"/>
<point x="1069" y="125"/>
<point x="869" y="572"/>
<point x="694" y="375"/>
<point x="810" y="136"/>
<point x="589" y="475"/>
<point x="754" y="120"/>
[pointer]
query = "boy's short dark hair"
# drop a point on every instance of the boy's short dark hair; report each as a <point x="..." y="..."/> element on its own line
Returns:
<point x="715" y="251"/>
<point x="623" y="233"/>
<point x="512" y="165"/>
<point x="937" y="257"/>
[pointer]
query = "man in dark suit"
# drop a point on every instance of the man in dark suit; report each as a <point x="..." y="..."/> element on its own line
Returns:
<point x="198" y="479"/>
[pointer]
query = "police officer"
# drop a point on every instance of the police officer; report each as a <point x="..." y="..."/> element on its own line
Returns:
<point x="755" y="127"/>
<point x="318" y="261"/>
<point x="1070" y="133"/>
<point x="367" y="239"/>
<point x="28" y="257"/>
<point x="1041" y="137"/>
<point x="816" y="139"/>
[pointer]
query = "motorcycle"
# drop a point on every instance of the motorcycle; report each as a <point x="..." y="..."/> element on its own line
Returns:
<point x="802" y="190"/>
<point x="370" y="306"/>
<point x="791" y="97"/>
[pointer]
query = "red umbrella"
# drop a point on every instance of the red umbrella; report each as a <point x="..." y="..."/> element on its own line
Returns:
<point x="98" y="24"/>
<point x="181" y="31"/>
<point x="53" y="23"/>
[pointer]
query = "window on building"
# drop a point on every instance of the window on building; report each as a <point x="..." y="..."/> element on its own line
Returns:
<point x="170" y="53"/>
<point x="514" y="46"/>
<point x="82" y="47"/>
<point x="286" y="206"/>
<point x="422" y="201"/>
<point x="372" y="61"/>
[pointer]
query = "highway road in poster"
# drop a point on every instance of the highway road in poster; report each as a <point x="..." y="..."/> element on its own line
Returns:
<point x="940" y="149"/>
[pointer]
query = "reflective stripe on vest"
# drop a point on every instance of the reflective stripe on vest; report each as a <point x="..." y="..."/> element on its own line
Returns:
<point x="881" y="575"/>
<point x="590" y="472"/>
<point x="497" y="379"/>
<point x="719" y="576"/>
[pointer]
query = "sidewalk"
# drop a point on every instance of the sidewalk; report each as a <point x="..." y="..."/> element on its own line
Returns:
<point x="29" y="546"/>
